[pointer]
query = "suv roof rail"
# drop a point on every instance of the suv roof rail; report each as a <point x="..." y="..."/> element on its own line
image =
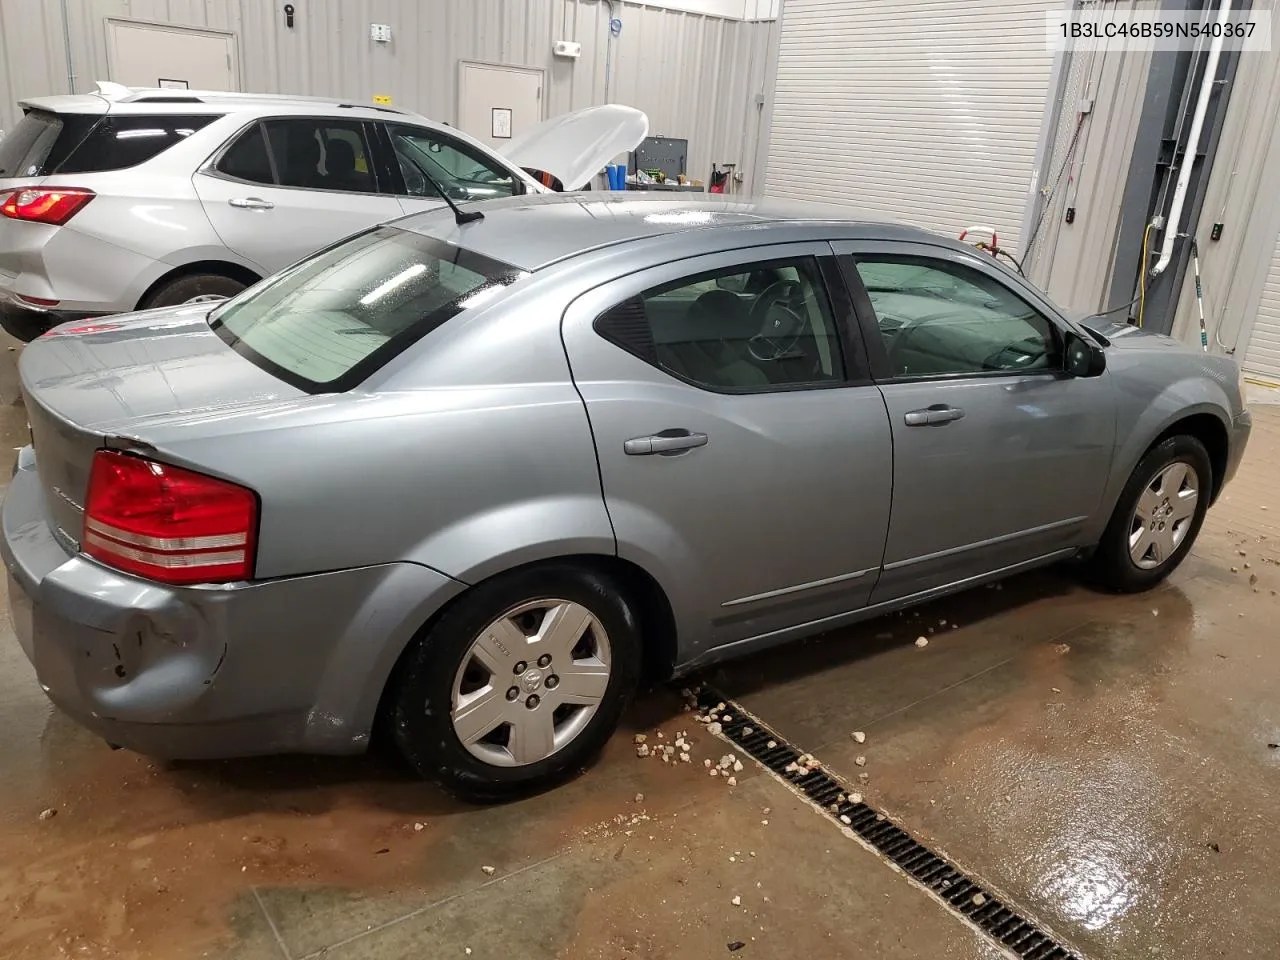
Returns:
<point x="119" y="93"/>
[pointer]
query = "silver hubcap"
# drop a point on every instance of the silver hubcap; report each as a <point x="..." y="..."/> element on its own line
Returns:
<point x="531" y="682"/>
<point x="1163" y="515"/>
<point x="204" y="298"/>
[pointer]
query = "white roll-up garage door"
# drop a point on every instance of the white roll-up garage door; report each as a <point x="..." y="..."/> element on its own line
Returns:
<point x="1262" y="358"/>
<point x="923" y="111"/>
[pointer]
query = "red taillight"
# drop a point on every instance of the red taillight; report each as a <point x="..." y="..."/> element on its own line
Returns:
<point x="55" y="205"/>
<point x="168" y="524"/>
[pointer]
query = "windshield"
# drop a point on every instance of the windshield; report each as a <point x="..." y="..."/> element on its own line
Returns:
<point x="328" y="322"/>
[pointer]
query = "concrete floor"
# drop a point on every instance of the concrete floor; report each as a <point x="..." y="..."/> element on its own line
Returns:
<point x="1102" y="762"/>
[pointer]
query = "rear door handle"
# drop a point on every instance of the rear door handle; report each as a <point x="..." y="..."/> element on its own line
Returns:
<point x="251" y="203"/>
<point x="929" y="416"/>
<point x="672" y="442"/>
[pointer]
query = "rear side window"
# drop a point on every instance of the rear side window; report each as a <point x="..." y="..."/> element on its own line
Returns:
<point x="247" y="159"/>
<point x="41" y="141"/>
<point x="748" y="328"/>
<point x="309" y="152"/>
<point x="327" y="323"/>
<point x="117" y="143"/>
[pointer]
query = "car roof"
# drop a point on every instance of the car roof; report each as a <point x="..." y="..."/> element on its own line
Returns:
<point x="532" y="232"/>
<point x="116" y="98"/>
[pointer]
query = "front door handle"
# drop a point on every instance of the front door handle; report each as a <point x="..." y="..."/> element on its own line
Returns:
<point x="929" y="416"/>
<point x="251" y="203"/>
<point x="663" y="443"/>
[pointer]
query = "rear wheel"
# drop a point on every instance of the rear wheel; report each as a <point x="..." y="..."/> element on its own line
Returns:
<point x="1157" y="517"/>
<point x="192" y="288"/>
<point x="519" y="684"/>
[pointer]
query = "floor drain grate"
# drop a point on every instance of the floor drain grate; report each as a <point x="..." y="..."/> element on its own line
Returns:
<point x="960" y="892"/>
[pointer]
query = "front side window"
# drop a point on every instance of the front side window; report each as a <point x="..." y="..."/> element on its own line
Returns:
<point x="326" y="323"/>
<point x="938" y="318"/>
<point x="739" y="329"/>
<point x="425" y="156"/>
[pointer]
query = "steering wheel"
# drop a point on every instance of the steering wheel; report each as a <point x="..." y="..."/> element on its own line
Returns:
<point x="780" y="316"/>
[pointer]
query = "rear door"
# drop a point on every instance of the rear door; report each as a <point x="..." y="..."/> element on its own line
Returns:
<point x="744" y="454"/>
<point x="999" y="456"/>
<point x="284" y="188"/>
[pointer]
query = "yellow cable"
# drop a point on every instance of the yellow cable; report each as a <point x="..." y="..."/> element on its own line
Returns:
<point x="1142" y="276"/>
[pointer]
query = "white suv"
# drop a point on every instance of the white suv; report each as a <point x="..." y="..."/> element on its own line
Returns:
<point x="132" y="198"/>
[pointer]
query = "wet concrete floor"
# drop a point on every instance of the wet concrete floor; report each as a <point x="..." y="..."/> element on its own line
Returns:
<point x="1102" y="762"/>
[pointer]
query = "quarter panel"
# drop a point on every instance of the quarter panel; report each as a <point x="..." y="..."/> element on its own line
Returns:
<point x="83" y="272"/>
<point x="466" y="481"/>
<point x="468" y="453"/>
<point x="147" y="213"/>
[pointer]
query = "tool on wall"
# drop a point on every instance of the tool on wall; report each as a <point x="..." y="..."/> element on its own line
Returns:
<point x="993" y="247"/>
<point x="288" y="15"/>
<point x="1195" y="265"/>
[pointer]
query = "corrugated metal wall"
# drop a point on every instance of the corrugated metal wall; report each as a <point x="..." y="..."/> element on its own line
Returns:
<point x="1242" y="195"/>
<point x="924" y="111"/>
<point x="696" y="76"/>
<point x="1086" y="172"/>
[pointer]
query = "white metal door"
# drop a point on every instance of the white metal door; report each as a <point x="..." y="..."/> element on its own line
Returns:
<point x="926" y="113"/>
<point x="1262" y="359"/>
<point x="151" y="55"/>
<point x="497" y="103"/>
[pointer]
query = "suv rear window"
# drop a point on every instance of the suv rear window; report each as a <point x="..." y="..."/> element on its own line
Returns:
<point x="326" y="323"/>
<point x="41" y="140"/>
<point x="126" y="141"/>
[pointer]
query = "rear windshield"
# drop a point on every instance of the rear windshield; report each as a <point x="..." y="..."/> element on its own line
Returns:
<point x="43" y="143"/>
<point x="328" y="322"/>
<point x="40" y="141"/>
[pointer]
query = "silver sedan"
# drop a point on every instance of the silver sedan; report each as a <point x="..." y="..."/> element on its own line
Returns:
<point x="461" y="479"/>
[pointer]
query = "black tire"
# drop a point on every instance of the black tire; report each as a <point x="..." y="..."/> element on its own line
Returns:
<point x="421" y="690"/>
<point x="186" y="288"/>
<point x="1112" y="566"/>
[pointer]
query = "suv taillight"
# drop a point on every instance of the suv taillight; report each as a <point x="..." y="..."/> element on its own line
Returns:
<point x="168" y="524"/>
<point x="53" y="205"/>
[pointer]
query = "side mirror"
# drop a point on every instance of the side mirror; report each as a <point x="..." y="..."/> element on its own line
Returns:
<point x="1083" y="359"/>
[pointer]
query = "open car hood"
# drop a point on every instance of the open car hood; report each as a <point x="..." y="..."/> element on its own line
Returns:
<point x="574" y="147"/>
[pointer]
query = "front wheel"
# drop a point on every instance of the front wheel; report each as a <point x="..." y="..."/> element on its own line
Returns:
<point x="1157" y="517"/>
<point x="519" y="684"/>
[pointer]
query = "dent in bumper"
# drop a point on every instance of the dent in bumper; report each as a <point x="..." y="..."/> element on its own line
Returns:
<point x="291" y="664"/>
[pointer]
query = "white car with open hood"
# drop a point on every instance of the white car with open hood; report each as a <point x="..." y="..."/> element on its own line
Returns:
<point x="130" y="198"/>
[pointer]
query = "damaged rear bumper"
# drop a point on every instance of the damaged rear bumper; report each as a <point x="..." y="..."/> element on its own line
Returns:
<point x="287" y="665"/>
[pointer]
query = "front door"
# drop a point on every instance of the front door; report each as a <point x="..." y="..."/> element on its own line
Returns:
<point x="285" y="188"/>
<point x="744" y="455"/>
<point x="999" y="456"/>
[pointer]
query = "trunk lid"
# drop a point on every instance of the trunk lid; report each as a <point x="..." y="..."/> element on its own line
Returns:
<point x="575" y="146"/>
<point x="86" y="383"/>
